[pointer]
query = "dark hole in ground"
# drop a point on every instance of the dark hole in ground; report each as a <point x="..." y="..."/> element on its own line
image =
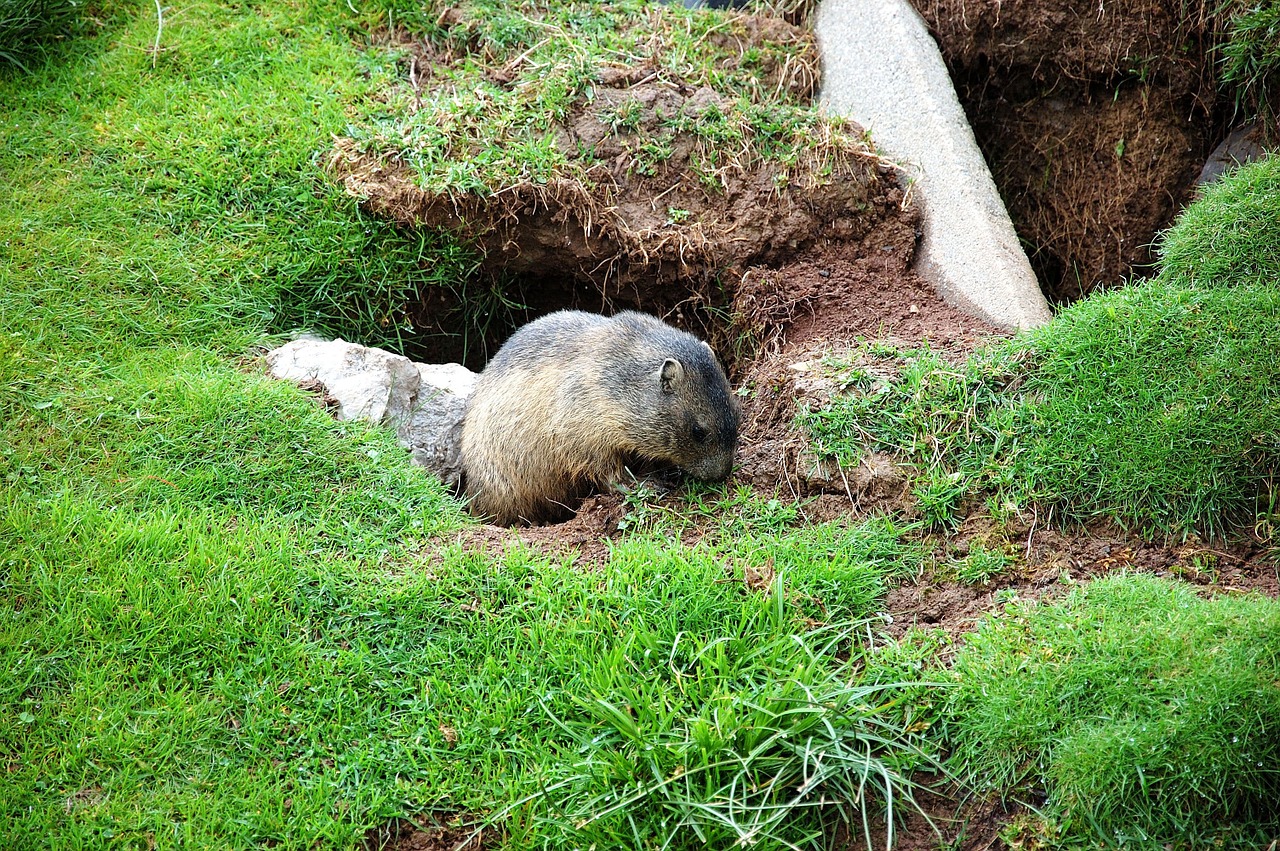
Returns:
<point x="468" y="324"/>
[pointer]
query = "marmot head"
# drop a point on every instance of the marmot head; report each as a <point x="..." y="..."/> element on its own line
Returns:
<point x="698" y="413"/>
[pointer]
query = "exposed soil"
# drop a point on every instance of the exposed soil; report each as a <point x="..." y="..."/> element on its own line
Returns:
<point x="951" y="823"/>
<point x="1094" y="118"/>
<point x="429" y="832"/>
<point x="1050" y="561"/>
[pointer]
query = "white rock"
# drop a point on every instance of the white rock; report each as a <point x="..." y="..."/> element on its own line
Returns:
<point x="424" y="403"/>
<point x="369" y="384"/>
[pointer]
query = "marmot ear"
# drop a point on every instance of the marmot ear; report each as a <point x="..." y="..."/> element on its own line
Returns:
<point x="671" y="373"/>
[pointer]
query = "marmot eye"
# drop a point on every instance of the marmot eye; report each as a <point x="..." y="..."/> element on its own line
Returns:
<point x="699" y="434"/>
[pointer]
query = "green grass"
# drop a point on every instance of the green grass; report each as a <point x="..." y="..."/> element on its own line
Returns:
<point x="504" y="78"/>
<point x="225" y="619"/>
<point x="26" y="27"/>
<point x="193" y="187"/>
<point x="980" y="564"/>
<point x="189" y="672"/>
<point x="1147" y="714"/>
<point x="783" y="746"/>
<point x="1159" y="405"/>
<point x="1250" y="57"/>
<point x="944" y="420"/>
<point x="1229" y="237"/>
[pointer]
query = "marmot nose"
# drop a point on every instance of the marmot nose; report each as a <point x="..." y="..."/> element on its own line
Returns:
<point x="713" y="468"/>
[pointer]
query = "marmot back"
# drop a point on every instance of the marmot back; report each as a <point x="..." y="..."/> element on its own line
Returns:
<point x="573" y="398"/>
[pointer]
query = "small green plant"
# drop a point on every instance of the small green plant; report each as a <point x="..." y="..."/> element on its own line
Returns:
<point x="938" y="494"/>
<point x="676" y="216"/>
<point x="651" y="154"/>
<point x="624" y="117"/>
<point x="981" y="564"/>
<point x="640" y="500"/>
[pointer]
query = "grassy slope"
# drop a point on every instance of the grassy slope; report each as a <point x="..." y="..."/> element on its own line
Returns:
<point x="502" y="134"/>
<point x="1146" y="713"/>
<point x="220" y="620"/>
<point x="1157" y="404"/>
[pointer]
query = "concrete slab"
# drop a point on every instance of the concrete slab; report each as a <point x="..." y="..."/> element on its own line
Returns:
<point x="882" y="69"/>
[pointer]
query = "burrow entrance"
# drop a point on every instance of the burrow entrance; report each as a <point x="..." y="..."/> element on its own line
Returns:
<point x="778" y="260"/>
<point x="652" y="212"/>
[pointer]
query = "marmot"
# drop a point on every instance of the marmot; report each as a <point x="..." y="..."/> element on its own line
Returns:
<point x="573" y="398"/>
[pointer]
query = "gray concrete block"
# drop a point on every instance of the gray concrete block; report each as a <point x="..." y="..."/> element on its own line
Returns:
<point x="882" y="69"/>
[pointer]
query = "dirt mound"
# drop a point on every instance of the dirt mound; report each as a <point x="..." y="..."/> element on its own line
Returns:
<point x="1094" y="120"/>
<point x="819" y="306"/>
<point x="656" y="185"/>
<point x="632" y="233"/>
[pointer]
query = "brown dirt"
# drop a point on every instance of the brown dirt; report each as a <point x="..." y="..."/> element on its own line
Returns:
<point x="601" y="236"/>
<point x="821" y="305"/>
<point x="585" y="537"/>
<point x="1049" y="562"/>
<point x="1095" y="120"/>
<point x="429" y="832"/>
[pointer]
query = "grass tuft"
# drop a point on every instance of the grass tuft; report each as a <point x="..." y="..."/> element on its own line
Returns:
<point x="1250" y="57"/>
<point x="1231" y="235"/>
<point x="785" y="742"/>
<point x="1147" y="714"/>
<point x="26" y="24"/>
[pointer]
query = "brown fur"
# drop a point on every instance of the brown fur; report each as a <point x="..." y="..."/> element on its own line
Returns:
<point x="573" y="399"/>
